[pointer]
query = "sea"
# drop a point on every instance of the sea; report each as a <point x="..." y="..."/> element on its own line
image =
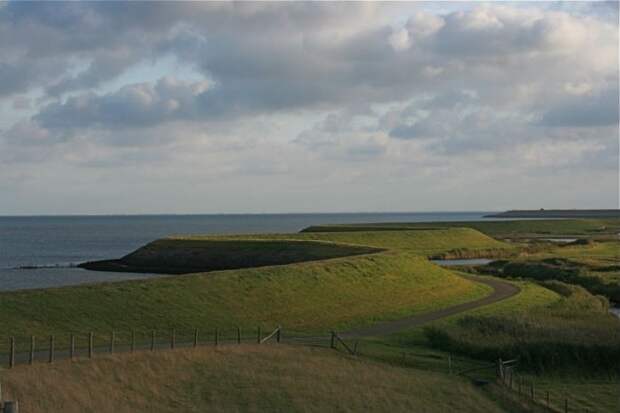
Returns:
<point x="43" y="251"/>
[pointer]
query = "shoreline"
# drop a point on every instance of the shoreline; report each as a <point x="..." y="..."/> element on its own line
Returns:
<point x="558" y="213"/>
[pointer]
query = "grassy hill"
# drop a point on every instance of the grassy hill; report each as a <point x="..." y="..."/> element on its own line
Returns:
<point x="239" y="379"/>
<point x="310" y="296"/>
<point x="498" y="229"/>
<point x="182" y="256"/>
<point x="421" y="242"/>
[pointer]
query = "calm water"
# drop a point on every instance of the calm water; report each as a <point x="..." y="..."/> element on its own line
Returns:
<point x="50" y="242"/>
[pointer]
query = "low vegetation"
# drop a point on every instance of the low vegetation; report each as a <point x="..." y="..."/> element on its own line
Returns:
<point x="239" y="379"/>
<point x="572" y="333"/>
<point x="594" y="266"/>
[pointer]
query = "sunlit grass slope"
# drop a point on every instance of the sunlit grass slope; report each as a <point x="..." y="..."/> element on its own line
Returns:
<point x="320" y="295"/>
<point x="422" y="242"/>
<point x="239" y="379"/>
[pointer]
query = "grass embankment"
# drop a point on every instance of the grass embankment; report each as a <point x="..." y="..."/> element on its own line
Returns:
<point x="311" y="296"/>
<point x="439" y="242"/>
<point x="244" y="378"/>
<point x="182" y="256"/>
<point x="498" y="229"/>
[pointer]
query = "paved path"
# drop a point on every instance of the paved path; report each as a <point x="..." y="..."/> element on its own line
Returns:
<point x="501" y="291"/>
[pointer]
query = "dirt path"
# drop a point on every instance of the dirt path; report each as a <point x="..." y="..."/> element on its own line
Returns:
<point x="501" y="291"/>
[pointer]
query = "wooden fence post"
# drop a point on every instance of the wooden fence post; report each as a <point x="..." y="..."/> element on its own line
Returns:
<point x="51" y="358"/>
<point x="12" y="353"/>
<point x="258" y="336"/>
<point x="173" y="338"/>
<point x="332" y="343"/>
<point x="195" y="337"/>
<point x="133" y="341"/>
<point x="72" y="347"/>
<point x="32" y="347"/>
<point x="547" y="397"/>
<point x="532" y="390"/>
<point x="91" y="339"/>
<point x="112" y="337"/>
<point x="565" y="405"/>
<point x="238" y="335"/>
<point x="217" y="336"/>
<point x="450" y="363"/>
<point x="153" y="340"/>
<point x="500" y="369"/>
<point x="278" y="335"/>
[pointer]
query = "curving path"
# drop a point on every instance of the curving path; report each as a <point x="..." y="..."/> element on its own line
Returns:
<point x="501" y="291"/>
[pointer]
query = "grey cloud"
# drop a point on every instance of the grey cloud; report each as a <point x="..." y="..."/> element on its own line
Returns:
<point x="585" y="111"/>
<point x="138" y="105"/>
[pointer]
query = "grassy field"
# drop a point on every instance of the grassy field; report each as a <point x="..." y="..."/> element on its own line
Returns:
<point x="239" y="379"/>
<point x="311" y="296"/>
<point x="498" y="229"/>
<point x="317" y="281"/>
<point x="426" y="243"/>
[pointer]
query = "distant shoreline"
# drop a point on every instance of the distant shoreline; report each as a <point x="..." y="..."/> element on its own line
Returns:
<point x="558" y="213"/>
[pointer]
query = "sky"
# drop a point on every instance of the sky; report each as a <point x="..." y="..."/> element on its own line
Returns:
<point x="256" y="107"/>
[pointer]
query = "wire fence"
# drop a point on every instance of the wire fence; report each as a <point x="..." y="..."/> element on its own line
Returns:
<point x="49" y="349"/>
<point x="32" y="349"/>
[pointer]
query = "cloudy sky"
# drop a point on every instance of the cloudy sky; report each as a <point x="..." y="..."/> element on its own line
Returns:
<point x="307" y="107"/>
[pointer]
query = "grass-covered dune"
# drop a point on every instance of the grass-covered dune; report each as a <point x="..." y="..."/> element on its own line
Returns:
<point x="310" y="296"/>
<point x="420" y="242"/>
<point x="182" y="256"/>
<point x="498" y="229"/>
<point x="239" y="379"/>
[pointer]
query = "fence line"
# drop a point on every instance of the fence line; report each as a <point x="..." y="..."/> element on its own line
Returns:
<point x="526" y="389"/>
<point x="505" y="369"/>
<point x="72" y="345"/>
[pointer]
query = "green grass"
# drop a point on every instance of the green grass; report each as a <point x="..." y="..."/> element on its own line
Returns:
<point x="240" y="379"/>
<point x="582" y="394"/>
<point x="426" y="243"/>
<point x="311" y="296"/>
<point x="595" y="266"/>
<point x="498" y="229"/>
<point x="182" y="256"/>
<point x="573" y="333"/>
<point x="532" y="297"/>
<point x="314" y="288"/>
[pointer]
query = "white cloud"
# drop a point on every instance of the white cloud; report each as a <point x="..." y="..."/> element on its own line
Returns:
<point x="312" y="95"/>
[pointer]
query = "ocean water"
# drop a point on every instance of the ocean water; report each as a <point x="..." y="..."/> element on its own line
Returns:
<point x="41" y="252"/>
